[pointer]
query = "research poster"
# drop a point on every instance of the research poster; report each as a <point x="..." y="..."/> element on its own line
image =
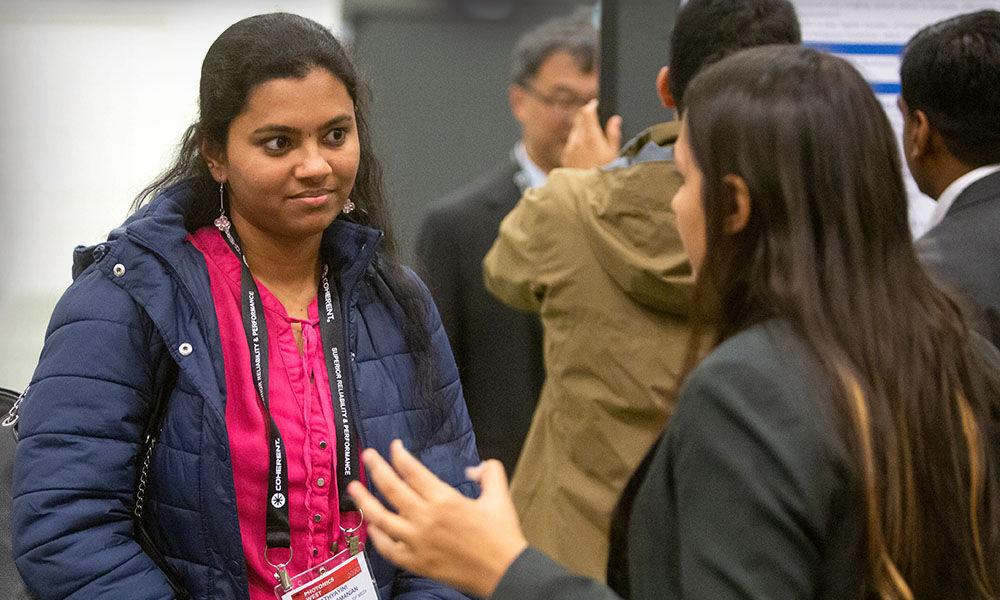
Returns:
<point x="871" y="34"/>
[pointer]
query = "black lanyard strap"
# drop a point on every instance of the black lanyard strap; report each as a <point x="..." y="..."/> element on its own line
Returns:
<point x="332" y="330"/>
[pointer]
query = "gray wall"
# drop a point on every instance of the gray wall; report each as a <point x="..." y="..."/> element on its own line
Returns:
<point x="440" y="80"/>
<point x="635" y="44"/>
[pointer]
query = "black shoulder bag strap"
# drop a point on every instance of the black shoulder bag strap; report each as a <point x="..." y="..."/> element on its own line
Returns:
<point x="163" y="385"/>
<point x="8" y="399"/>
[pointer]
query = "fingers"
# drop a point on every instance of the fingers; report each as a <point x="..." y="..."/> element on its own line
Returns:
<point x="493" y="476"/>
<point x="580" y="119"/>
<point x="614" y="132"/>
<point x="586" y="119"/>
<point x="396" y="551"/>
<point x="415" y="474"/>
<point x="378" y="515"/>
<point x="588" y="144"/>
<point x="474" y="473"/>
<point x="395" y="490"/>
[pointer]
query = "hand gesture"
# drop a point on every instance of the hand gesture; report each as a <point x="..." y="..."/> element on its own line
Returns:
<point x="437" y="532"/>
<point x="587" y="145"/>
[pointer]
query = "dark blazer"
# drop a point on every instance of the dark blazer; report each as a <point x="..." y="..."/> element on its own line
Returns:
<point x="498" y="349"/>
<point x="750" y="494"/>
<point x="747" y="495"/>
<point x="963" y="253"/>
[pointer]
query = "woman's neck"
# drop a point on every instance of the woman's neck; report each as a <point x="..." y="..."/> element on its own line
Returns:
<point x="289" y="268"/>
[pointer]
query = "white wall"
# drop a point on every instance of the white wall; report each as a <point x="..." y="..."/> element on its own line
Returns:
<point x="94" y="95"/>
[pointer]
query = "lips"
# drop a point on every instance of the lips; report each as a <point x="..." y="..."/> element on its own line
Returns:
<point x="313" y="197"/>
<point x="313" y="193"/>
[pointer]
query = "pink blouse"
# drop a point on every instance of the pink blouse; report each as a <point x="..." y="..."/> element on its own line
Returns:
<point x="302" y="408"/>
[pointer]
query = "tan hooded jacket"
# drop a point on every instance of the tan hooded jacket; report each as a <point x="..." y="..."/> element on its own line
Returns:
<point x="597" y="254"/>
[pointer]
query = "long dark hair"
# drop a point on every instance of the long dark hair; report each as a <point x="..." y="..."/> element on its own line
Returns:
<point x="279" y="45"/>
<point x="827" y="248"/>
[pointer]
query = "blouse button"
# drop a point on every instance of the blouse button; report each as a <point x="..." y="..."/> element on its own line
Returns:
<point x="185" y="349"/>
<point x="320" y="482"/>
<point x="118" y="270"/>
<point x="317" y="518"/>
<point x="315" y="552"/>
<point x="322" y="445"/>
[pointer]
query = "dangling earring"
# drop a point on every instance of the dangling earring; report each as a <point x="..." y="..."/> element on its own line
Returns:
<point x="348" y="207"/>
<point x="222" y="222"/>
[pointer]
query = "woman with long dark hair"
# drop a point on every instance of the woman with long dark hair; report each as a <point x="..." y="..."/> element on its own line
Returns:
<point x="211" y="376"/>
<point x="840" y="440"/>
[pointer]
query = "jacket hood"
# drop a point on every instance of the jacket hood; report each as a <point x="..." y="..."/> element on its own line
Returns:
<point x="160" y="222"/>
<point x="633" y="230"/>
<point x="162" y="272"/>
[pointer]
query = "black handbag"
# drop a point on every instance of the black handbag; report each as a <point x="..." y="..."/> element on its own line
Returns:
<point x="9" y="401"/>
<point x="163" y="384"/>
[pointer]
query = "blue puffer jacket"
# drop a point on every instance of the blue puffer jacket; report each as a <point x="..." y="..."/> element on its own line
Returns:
<point x="142" y="294"/>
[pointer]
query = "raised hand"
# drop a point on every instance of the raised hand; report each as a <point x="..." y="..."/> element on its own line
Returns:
<point x="436" y="531"/>
<point x="588" y="145"/>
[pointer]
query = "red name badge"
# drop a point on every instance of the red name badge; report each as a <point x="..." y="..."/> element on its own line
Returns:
<point x="348" y="580"/>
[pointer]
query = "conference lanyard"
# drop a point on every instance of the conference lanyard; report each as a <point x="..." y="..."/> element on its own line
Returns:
<point x="341" y="391"/>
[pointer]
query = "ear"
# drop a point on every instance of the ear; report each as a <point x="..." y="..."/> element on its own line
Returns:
<point x="917" y="128"/>
<point x="739" y="210"/>
<point x="516" y="97"/>
<point x="663" y="88"/>
<point x="215" y="158"/>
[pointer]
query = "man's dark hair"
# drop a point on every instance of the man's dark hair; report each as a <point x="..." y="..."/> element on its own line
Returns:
<point x="574" y="34"/>
<point x="706" y="31"/>
<point x="951" y="71"/>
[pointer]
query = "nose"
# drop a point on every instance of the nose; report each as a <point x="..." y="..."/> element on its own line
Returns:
<point x="312" y="164"/>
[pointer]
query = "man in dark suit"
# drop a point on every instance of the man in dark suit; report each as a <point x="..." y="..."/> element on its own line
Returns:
<point x="499" y="349"/>
<point x="950" y="101"/>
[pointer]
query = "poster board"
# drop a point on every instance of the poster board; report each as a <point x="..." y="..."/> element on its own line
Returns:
<point x="871" y="35"/>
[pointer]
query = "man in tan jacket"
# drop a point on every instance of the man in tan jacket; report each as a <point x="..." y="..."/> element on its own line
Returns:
<point x="597" y="254"/>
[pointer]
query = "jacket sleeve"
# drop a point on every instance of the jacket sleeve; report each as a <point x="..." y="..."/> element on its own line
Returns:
<point x="535" y="576"/>
<point x="80" y="424"/>
<point x="450" y="449"/>
<point x="526" y="257"/>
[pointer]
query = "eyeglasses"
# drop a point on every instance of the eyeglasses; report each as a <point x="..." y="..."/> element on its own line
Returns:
<point x="565" y="102"/>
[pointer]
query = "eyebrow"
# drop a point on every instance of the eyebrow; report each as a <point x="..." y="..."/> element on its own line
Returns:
<point x="338" y="120"/>
<point x="562" y="89"/>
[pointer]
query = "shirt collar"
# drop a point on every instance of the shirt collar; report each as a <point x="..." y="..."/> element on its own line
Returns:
<point x="954" y="190"/>
<point x="536" y="176"/>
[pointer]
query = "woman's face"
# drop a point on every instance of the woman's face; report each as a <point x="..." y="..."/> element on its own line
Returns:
<point x="687" y="203"/>
<point x="291" y="156"/>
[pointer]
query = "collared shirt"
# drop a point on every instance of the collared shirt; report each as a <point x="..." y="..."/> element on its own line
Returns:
<point x="954" y="190"/>
<point x="300" y="402"/>
<point x="536" y="176"/>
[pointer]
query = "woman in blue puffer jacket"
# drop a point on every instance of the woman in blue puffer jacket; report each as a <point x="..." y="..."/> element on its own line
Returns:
<point x="285" y="337"/>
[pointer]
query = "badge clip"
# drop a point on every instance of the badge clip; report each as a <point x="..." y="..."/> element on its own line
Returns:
<point x="280" y="572"/>
<point x="352" y="536"/>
